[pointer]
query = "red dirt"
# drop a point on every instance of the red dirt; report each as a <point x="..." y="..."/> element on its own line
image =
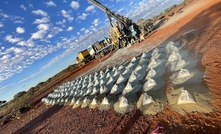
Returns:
<point x="207" y="22"/>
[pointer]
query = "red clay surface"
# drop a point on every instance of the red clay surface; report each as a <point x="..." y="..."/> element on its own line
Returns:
<point x="206" y="19"/>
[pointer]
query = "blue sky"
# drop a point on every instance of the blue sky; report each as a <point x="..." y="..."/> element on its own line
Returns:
<point x="40" y="38"/>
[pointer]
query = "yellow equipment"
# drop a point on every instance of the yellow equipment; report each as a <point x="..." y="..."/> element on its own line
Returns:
<point x="126" y="31"/>
<point x="83" y="56"/>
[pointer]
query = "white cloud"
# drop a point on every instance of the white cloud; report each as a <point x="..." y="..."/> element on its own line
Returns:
<point x="67" y="15"/>
<point x="5" y="57"/>
<point x="42" y="20"/>
<point x="22" y="6"/>
<point x="86" y="31"/>
<point x="120" y="1"/>
<point x="82" y="29"/>
<point x="42" y="31"/>
<point x="50" y="4"/>
<point x="19" y="50"/>
<point x="70" y="28"/>
<point x="4" y="15"/>
<point x="39" y="34"/>
<point x="40" y="12"/>
<point x="93" y="28"/>
<point x="28" y="43"/>
<point x="120" y="10"/>
<point x="147" y="8"/>
<point x="54" y="31"/>
<point x="62" y="23"/>
<point x="83" y="16"/>
<point x="22" y="43"/>
<point x="96" y="22"/>
<point x="75" y="4"/>
<point x="18" y="22"/>
<point x="90" y="8"/>
<point x="1" y="24"/>
<point x="17" y="19"/>
<point x="20" y="30"/>
<point x="11" y="39"/>
<point x="43" y="27"/>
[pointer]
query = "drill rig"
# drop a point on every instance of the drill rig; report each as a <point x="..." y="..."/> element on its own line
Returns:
<point x="124" y="32"/>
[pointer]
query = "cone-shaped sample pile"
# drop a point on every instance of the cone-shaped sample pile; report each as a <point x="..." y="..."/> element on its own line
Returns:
<point x="81" y="93"/>
<point x="128" y="88"/>
<point x="61" y="101"/>
<point x="94" y="101"/>
<point x="149" y="84"/>
<point x="185" y="98"/>
<point x="183" y="73"/>
<point x="171" y="47"/>
<point x="116" y="89"/>
<point x="116" y="73"/>
<point x="110" y="81"/>
<point x="153" y="63"/>
<point x="103" y="90"/>
<point x="139" y="68"/>
<point x="177" y="65"/>
<point x="185" y="76"/>
<point x="148" y="106"/>
<point x="96" y="83"/>
<point x="147" y="99"/>
<point x="127" y="72"/>
<point x="86" y="102"/>
<point x="123" y="102"/>
<point x="121" y="79"/>
<point x="114" y="68"/>
<point x="130" y="66"/>
<point x="133" y="77"/>
<point x="95" y="91"/>
<point x="174" y="56"/>
<point x="72" y="101"/>
<point x="108" y="75"/>
<point x="67" y="101"/>
<point x="133" y="59"/>
<point x="107" y="70"/>
<point x="93" y="104"/>
<point x="143" y="61"/>
<point x="89" y="90"/>
<point x="151" y="73"/>
<point x="105" y="105"/>
<point x="144" y="55"/>
<point x="105" y="101"/>
<point x="78" y="101"/>
<point x="155" y="53"/>
<point x="77" y="104"/>
<point x="102" y="82"/>
<point x="102" y="75"/>
<point x="121" y="67"/>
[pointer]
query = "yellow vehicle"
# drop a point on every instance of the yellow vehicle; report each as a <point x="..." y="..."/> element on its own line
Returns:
<point x="83" y="57"/>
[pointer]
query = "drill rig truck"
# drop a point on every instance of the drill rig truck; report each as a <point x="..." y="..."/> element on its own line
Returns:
<point x="124" y="32"/>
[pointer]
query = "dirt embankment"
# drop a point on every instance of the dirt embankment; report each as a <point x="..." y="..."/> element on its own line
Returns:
<point x="205" y="19"/>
